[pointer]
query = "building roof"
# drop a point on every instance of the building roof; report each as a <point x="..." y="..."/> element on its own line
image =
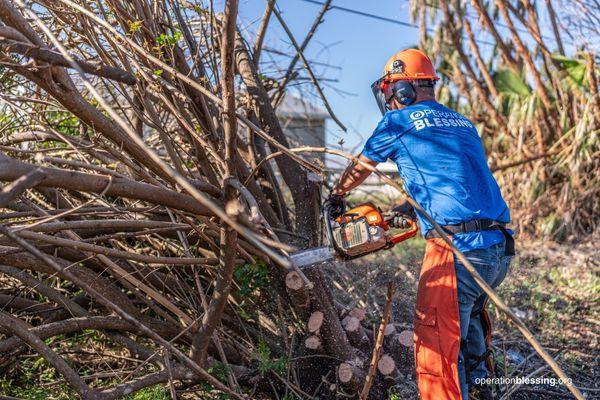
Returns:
<point x="297" y="107"/>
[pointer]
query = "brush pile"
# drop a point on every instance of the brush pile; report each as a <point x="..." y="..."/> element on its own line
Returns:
<point x="151" y="200"/>
<point x="142" y="241"/>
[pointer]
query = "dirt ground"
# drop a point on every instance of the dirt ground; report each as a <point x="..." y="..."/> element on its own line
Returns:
<point x="554" y="288"/>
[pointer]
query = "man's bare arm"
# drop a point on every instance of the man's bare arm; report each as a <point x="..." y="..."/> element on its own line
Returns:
<point x="353" y="176"/>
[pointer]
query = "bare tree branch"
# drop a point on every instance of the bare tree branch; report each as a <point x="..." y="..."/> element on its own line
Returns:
<point x="228" y="237"/>
<point x="20" y="329"/>
<point x="10" y="192"/>
<point x="11" y="169"/>
<point x="119" y="254"/>
<point x="53" y="58"/>
<point x="126" y="316"/>
<point x="262" y="31"/>
<point x="309" y="70"/>
<point x="290" y="70"/>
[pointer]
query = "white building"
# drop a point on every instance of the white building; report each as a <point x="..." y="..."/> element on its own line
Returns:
<point x="304" y="125"/>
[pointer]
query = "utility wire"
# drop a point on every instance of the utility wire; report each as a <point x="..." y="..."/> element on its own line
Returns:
<point x="379" y="18"/>
<point x="365" y="14"/>
<point x="408" y="24"/>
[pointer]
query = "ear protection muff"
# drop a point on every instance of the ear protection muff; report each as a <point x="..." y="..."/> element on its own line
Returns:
<point x="404" y="92"/>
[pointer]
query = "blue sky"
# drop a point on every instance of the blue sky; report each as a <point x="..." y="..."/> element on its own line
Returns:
<point x="355" y="46"/>
<point x="358" y="45"/>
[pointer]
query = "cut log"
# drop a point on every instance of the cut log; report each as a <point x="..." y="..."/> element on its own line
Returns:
<point x="345" y="321"/>
<point x="405" y="338"/>
<point x="345" y="372"/>
<point x="386" y="365"/>
<point x="359" y="313"/>
<point x="389" y="330"/>
<point x="351" y="324"/>
<point x="333" y="336"/>
<point x="297" y="290"/>
<point x="375" y="357"/>
<point x="315" y="321"/>
<point x="293" y="281"/>
<point x="350" y="375"/>
<point x="356" y="334"/>
<point x="313" y="342"/>
<point x="399" y="347"/>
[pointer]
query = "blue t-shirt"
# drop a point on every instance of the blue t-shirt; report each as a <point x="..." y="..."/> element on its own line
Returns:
<point x="442" y="162"/>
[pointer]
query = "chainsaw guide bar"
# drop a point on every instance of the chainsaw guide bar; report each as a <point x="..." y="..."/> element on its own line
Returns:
<point x="309" y="257"/>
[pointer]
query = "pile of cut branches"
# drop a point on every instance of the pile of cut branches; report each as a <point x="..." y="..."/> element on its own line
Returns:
<point x="137" y="210"/>
<point x="151" y="201"/>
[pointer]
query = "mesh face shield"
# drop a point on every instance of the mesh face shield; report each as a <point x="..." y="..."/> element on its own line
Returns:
<point x="404" y="90"/>
<point x="382" y="90"/>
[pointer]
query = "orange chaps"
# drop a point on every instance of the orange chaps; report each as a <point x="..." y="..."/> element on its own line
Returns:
<point x="437" y="325"/>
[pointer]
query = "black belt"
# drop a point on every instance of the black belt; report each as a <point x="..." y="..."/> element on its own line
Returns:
<point x="477" y="225"/>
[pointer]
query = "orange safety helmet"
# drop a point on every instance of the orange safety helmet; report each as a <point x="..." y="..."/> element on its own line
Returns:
<point x="406" y="65"/>
<point x="409" y="64"/>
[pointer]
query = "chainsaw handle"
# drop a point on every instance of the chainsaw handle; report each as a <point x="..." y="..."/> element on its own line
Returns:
<point x="326" y="215"/>
<point x="411" y="232"/>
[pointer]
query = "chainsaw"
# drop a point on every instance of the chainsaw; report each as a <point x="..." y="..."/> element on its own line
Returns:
<point x="362" y="230"/>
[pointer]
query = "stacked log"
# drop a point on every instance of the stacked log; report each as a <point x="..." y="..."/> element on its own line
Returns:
<point x="400" y="347"/>
<point x="297" y="290"/>
<point x="386" y="365"/>
<point x="351" y="374"/>
<point x="315" y="321"/>
<point x="313" y="341"/>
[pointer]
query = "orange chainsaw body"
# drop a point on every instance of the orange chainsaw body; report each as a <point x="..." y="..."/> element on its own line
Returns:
<point x="364" y="229"/>
<point x="366" y="210"/>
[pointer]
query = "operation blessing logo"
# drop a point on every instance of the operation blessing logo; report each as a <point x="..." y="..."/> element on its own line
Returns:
<point x="431" y="118"/>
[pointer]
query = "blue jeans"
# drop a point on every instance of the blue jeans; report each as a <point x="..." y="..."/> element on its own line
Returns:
<point x="492" y="265"/>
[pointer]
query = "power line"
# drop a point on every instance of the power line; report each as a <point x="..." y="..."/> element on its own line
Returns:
<point x="411" y="25"/>
<point x="365" y="14"/>
<point x="380" y="18"/>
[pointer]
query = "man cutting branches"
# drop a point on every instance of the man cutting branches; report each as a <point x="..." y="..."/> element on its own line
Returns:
<point x="443" y="166"/>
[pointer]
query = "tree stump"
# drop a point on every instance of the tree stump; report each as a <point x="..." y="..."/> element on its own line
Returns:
<point x="356" y="334"/>
<point x="389" y="330"/>
<point x="359" y="313"/>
